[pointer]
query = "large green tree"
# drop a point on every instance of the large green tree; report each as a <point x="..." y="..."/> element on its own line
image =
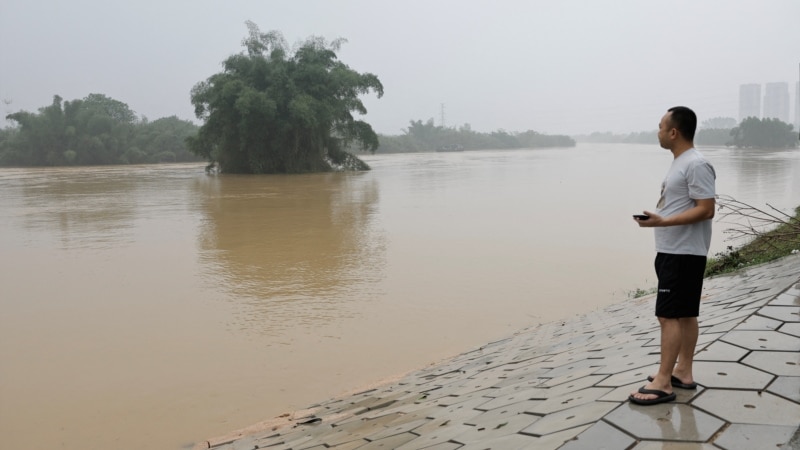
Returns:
<point x="94" y="130"/>
<point x="272" y="110"/>
<point x="753" y="132"/>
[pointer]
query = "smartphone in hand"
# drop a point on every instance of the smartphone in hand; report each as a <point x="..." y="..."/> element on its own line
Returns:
<point x="641" y="216"/>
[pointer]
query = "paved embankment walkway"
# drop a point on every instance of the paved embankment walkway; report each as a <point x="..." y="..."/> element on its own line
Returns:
<point x="564" y="385"/>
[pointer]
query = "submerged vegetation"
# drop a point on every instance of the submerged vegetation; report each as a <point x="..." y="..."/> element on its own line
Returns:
<point x="770" y="234"/>
<point x="277" y="110"/>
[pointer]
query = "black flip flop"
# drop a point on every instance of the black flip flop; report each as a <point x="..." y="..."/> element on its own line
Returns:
<point x="662" y="397"/>
<point x="678" y="383"/>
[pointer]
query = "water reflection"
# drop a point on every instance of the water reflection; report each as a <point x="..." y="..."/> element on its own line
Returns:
<point x="86" y="211"/>
<point x="766" y="172"/>
<point x="291" y="250"/>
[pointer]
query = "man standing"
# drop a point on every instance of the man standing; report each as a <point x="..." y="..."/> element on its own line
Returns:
<point x="682" y="223"/>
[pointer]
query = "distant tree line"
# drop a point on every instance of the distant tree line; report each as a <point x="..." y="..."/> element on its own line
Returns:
<point x="427" y="137"/>
<point x="641" y="137"/>
<point x="752" y="132"/>
<point x="94" y="130"/>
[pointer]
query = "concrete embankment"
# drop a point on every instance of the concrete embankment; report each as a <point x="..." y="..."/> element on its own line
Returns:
<point x="565" y="385"/>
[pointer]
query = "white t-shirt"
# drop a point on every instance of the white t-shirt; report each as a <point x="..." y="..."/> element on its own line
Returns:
<point x="689" y="178"/>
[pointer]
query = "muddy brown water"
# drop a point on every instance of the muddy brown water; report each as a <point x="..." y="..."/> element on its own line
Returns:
<point x="155" y="306"/>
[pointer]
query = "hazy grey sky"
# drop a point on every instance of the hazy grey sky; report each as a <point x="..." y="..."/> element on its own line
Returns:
<point x="559" y="66"/>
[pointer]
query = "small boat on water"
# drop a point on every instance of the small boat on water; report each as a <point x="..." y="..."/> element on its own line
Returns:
<point x="450" y="148"/>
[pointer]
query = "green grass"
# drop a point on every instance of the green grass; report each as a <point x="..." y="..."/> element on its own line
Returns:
<point x="774" y="244"/>
<point x="639" y="292"/>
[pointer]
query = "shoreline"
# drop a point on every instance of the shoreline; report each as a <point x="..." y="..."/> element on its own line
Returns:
<point x="341" y="409"/>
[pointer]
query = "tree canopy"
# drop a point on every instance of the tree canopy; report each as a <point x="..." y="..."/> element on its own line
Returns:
<point x="90" y="131"/>
<point x="753" y="132"/>
<point x="272" y="110"/>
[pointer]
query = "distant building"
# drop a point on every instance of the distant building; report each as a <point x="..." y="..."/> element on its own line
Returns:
<point x="749" y="101"/>
<point x="776" y="101"/>
<point x="797" y="107"/>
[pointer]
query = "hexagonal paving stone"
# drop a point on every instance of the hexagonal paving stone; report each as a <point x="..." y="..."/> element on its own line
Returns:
<point x="389" y="443"/>
<point x="631" y="360"/>
<point x="730" y="375"/>
<point x="665" y="421"/>
<point x="725" y="318"/>
<point x="348" y="446"/>
<point x="776" y="363"/>
<point x="791" y="328"/>
<point x="556" y="440"/>
<point x="458" y="412"/>
<point x="788" y="298"/>
<point x="635" y="358"/>
<point x="628" y="377"/>
<point x="521" y="395"/>
<point x="510" y="442"/>
<point x="600" y="436"/>
<point x="720" y="351"/>
<point x="707" y="338"/>
<point x="749" y="437"/>
<point x="568" y="400"/>
<point x="357" y="427"/>
<point x="763" y="340"/>
<point x="759" y="323"/>
<point x="439" y="432"/>
<point x="673" y="446"/>
<point x="488" y="418"/>
<point x="442" y="446"/>
<point x="397" y="429"/>
<point x="752" y="301"/>
<point x="749" y="407"/>
<point x="788" y="387"/>
<point x="452" y="400"/>
<point x="496" y="428"/>
<point x="782" y="313"/>
<point x="567" y="376"/>
<point x="574" y="385"/>
<point x="569" y="418"/>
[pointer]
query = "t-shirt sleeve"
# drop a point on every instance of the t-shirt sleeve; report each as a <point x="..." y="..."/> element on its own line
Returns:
<point x="701" y="178"/>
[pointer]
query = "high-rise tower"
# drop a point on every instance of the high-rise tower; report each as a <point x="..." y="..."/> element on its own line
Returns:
<point x="749" y="101"/>
<point x="776" y="101"/>
<point x="797" y="107"/>
<point x="797" y="103"/>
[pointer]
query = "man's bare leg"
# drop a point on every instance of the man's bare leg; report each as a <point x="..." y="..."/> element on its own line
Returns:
<point x="689" y="333"/>
<point x="670" y="348"/>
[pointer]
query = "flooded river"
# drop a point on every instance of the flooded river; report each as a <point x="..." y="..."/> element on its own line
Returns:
<point x="155" y="306"/>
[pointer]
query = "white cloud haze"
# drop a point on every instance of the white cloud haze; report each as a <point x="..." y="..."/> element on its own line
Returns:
<point x="564" y="66"/>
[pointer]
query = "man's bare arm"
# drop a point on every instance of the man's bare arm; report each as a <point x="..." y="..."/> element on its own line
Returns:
<point x="703" y="209"/>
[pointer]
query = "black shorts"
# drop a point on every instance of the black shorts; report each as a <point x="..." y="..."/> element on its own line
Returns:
<point x="680" y="284"/>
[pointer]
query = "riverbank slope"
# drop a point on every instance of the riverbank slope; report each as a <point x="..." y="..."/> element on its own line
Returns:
<point x="564" y="384"/>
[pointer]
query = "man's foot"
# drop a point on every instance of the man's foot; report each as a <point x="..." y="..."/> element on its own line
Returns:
<point x="676" y="382"/>
<point x="648" y="397"/>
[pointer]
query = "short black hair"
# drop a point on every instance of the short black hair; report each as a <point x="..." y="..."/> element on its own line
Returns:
<point x="685" y="120"/>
